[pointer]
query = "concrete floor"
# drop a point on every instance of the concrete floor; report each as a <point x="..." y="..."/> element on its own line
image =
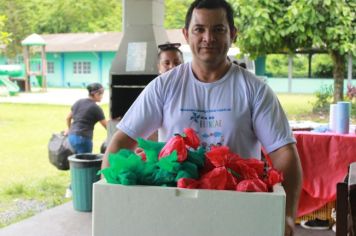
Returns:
<point x="63" y="220"/>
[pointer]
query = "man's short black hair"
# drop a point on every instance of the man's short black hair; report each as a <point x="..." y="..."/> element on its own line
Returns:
<point x="211" y="4"/>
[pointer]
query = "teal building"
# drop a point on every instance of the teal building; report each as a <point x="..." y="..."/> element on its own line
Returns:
<point x="77" y="59"/>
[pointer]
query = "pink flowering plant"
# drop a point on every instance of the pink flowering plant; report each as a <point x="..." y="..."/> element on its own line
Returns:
<point x="351" y="92"/>
<point x="351" y="95"/>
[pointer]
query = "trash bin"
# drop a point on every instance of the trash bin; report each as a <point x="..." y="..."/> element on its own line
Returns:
<point x="260" y="64"/>
<point x="39" y="80"/>
<point x="83" y="172"/>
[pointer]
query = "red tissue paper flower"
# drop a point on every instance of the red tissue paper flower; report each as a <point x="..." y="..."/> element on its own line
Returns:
<point x="273" y="177"/>
<point x="179" y="143"/>
<point x="252" y="185"/>
<point x="226" y="170"/>
<point x="174" y="144"/>
<point x="191" y="138"/>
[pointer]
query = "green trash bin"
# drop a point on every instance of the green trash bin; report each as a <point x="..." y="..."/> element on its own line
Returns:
<point x="260" y="64"/>
<point x="83" y="172"/>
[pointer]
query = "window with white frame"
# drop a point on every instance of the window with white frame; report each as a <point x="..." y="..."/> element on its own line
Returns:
<point x="81" y="67"/>
<point x="50" y="67"/>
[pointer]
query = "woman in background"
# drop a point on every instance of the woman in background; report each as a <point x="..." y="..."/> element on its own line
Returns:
<point x="169" y="56"/>
<point x="84" y="114"/>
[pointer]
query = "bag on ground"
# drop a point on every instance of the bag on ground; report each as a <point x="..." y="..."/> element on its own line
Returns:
<point x="59" y="150"/>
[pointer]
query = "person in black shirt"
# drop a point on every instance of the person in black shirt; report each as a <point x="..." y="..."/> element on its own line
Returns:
<point x="84" y="114"/>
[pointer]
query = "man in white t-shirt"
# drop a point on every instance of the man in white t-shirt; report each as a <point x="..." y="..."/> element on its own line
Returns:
<point x="222" y="102"/>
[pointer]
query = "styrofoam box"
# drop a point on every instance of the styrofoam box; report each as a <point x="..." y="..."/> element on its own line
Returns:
<point x="154" y="211"/>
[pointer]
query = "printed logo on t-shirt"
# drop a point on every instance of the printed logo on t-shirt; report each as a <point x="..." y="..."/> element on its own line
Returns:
<point x="209" y="124"/>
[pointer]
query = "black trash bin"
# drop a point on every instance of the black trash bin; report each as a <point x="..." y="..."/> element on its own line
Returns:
<point x="83" y="171"/>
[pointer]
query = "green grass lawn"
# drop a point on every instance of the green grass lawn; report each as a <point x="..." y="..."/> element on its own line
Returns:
<point x="299" y="106"/>
<point x="25" y="170"/>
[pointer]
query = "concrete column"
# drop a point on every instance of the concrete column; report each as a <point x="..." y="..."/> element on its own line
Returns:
<point x="142" y="32"/>
<point x="290" y="72"/>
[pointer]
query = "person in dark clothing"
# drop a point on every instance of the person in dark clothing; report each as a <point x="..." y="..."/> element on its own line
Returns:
<point x="84" y="114"/>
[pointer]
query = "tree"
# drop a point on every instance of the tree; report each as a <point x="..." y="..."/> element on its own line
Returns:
<point x="52" y="16"/>
<point x="267" y="26"/>
<point x="70" y="16"/>
<point x="175" y="11"/>
<point x="17" y="24"/>
<point x="4" y="36"/>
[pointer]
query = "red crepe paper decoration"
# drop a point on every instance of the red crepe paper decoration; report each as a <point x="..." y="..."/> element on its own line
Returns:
<point x="273" y="177"/>
<point x="191" y="139"/>
<point x="252" y="185"/>
<point x="225" y="170"/>
<point x="180" y="143"/>
<point x="175" y="162"/>
<point x="174" y="144"/>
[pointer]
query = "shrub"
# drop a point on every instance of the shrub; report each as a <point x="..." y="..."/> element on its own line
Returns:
<point x="351" y="95"/>
<point x="322" y="66"/>
<point x="323" y="99"/>
<point x="351" y="92"/>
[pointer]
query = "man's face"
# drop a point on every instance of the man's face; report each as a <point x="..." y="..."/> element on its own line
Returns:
<point x="209" y="35"/>
<point x="168" y="60"/>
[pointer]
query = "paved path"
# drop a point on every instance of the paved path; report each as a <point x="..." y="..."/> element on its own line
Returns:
<point x="51" y="96"/>
<point x="63" y="220"/>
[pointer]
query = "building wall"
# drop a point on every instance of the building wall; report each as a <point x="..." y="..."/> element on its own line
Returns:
<point x="54" y="78"/>
<point x="2" y="60"/>
<point x="72" y="79"/>
<point x="108" y="57"/>
<point x="63" y="68"/>
<point x="302" y="85"/>
<point x="63" y="75"/>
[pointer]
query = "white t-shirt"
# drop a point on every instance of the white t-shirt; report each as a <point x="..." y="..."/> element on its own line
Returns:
<point x="239" y="111"/>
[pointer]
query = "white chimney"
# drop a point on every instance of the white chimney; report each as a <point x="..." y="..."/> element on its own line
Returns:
<point x="135" y="63"/>
<point x="143" y="31"/>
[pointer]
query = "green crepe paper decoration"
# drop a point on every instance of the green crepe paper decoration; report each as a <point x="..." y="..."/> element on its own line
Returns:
<point x="149" y="144"/>
<point x="197" y="157"/>
<point x="188" y="170"/>
<point x="127" y="168"/>
<point x="151" y="148"/>
<point x="164" y="178"/>
<point x="148" y="174"/>
<point x="170" y="163"/>
<point x="127" y="178"/>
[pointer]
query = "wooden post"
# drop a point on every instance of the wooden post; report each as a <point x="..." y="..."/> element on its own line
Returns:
<point x="27" y="68"/>
<point x="43" y="68"/>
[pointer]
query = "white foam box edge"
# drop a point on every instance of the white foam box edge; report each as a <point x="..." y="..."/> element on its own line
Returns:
<point x="154" y="211"/>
